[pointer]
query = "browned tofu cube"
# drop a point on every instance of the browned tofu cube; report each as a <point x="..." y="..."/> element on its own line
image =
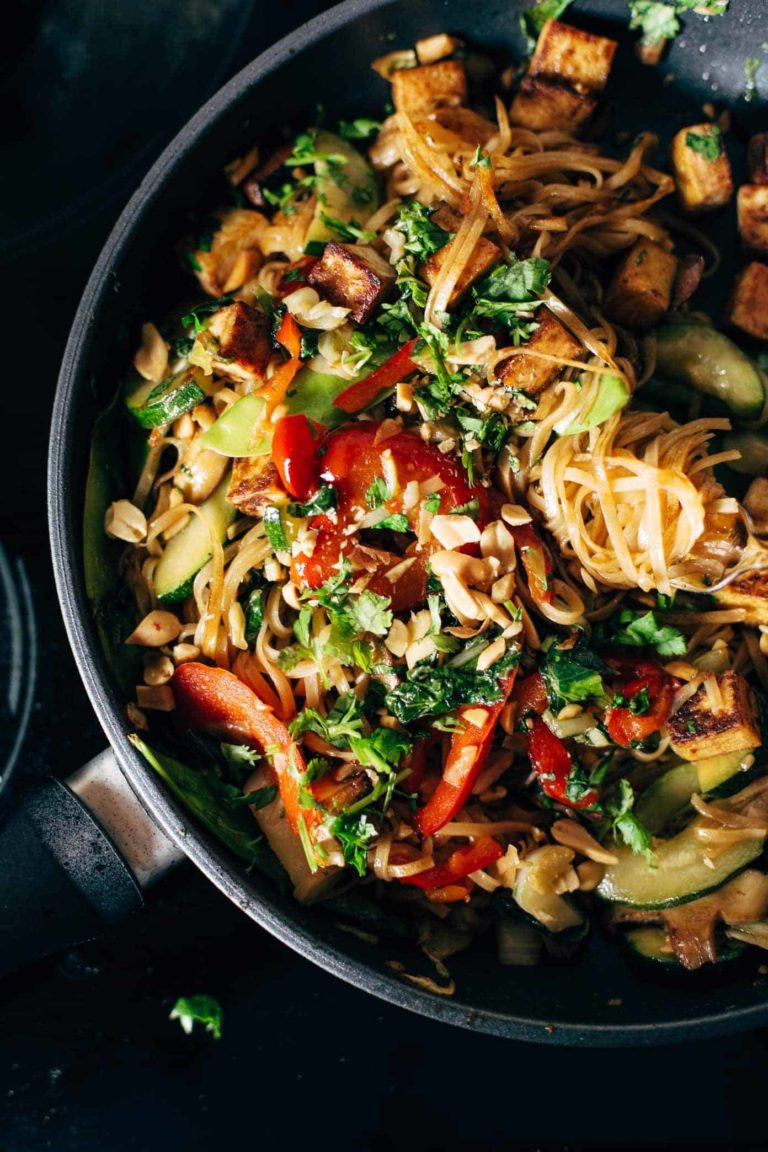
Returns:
<point x="698" y="731"/>
<point x="757" y="159"/>
<point x="543" y="103"/>
<point x="641" y="289"/>
<point x="428" y="86"/>
<point x="243" y="342"/>
<point x="254" y="482"/>
<point x="749" y="592"/>
<point x="530" y="374"/>
<point x="701" y="168"/>
<point x="578" y="58"/>
<point x="752" y="207"/>
<point x="484" y="255"/>
<point x="234" y="255"/>
<point x="747" y="308"/>
<point x="352" y="276"/>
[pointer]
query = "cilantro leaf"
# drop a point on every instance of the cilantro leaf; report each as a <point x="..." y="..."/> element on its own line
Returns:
<point x="644" y="630"/>
<point x="347" y="229"/>
<point x="195" y="317"/>
<point x="359" y="129"/>
<point x="323" y="500"/>
<point x="431" y="691"/>
<point x="422" y="235"/>
<point x="572" y="675"/>
<point x="624" y="824"/>
<point x="253" y="610"/>
<point x="367" y="612"/>
<point x="709" y="145"/>
<point x="397" y="522"/>
<point x="259" y="798"/>
<point x="377" y="494"/>
<point x="511" y="293"/>
<point x="205" y="1010"/>
<point x="354" y="832"/>
<point x="655" y="21"/>
<point x="343" y="723"/>
<point x="382" y="750"/>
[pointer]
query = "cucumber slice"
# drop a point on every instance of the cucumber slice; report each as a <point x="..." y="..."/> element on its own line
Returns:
<point x="346" y="188"/>
<point x="612" y="395"/>
<point x="190" y="549"/>
<point x="711" y="363"/>
<point x="754" y="452"/>
<point x="555" y="913"/>
<point x="235" y="433"/>
<point x="153" y="405"/>
<point x="669" y="796"/>
<point x="680" y="873"/>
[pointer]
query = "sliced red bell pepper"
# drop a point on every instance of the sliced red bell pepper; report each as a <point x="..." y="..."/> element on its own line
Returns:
<point x="536" y="562"/>
<point x="471" y="858"/>
<point x="365" y="392"/>
<point x="289" y="335"/>
<point x="552" y="763"/>
<point x="626" y="727"/>
<point x="352" y="462"/>
<point x="530" y="695"/>
<point x="461" y="767"/>
<point x="294" y="455"/>
<point x="213" y="700"/>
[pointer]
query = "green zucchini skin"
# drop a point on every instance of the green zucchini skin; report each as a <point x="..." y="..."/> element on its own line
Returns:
<point x="754" y="452"/>
<point x="187" y="552"/>
<point x="680" y="874"/>
<point x="648" y="943"/>
<point x="153" y="405"/>
<point x="709" y="362"/>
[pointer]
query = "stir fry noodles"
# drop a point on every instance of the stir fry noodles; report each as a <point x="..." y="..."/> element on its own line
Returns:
<point x="441" y="474"/>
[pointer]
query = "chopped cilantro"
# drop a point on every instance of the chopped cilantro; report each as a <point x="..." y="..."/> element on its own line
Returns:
<point x="431" y="691"/>
<point x="432" y="503"/>
<point x="347" y="229"/>
<point x="378" y="493"/>
<point x="194" y="318"/>
<point x="274" y="528"/>
<point x="572" y="675"/>
<point x="397" y="522"/>
<point x="260" y="797"/>
<point x="534" y="19"/>
<point x="354" y="832"/>
<point x="709" y="145"/>
<point x="481" y="159"/>
<point x="471" y="508"/>
<point x="624" y="824"/>
<point x="191" y="1010"/>
<point x="752" y="65"/>
<point x="510" y="294"/>
<point x="422" y="235"/>
<point x="655" y="21"/>
<point x="641" y="630"/>
<point x="367" y="612"/>
<point x="323" y="500"/>
<point x="359" y="129"/>
<point x="305" y="152"/>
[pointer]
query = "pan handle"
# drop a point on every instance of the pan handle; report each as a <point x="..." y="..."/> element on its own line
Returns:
<point x="75" y="857"/>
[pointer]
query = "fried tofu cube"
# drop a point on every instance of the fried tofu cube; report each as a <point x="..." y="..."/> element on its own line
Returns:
<point x="426" y="87"/>
<point x="484" y="255"/>
<point x="749" y="592"/>
<point x="352" y="276"/>
<point x="578" y="58"/>
<point x="254" y="482"/>
<point x="243" y="342"/>
<point x="641" y="289"/>
<point x="543" y="103"/>
<point x="752" y="211"/>
<point x="234" y="255"/>
<point x="757" y="159"/>
<point x="530" y="374"/>
<point x="697" y="731"/>
<point x="747" y="308"/>
<point x="701" y="168"/>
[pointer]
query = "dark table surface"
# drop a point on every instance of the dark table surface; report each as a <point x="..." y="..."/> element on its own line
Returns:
<point x="88" y="1057"/>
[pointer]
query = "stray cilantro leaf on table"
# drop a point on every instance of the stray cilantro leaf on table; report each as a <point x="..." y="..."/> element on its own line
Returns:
<point x="205" y="1010"/>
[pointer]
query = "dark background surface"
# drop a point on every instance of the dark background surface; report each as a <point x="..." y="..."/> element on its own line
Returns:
<point x="88" y="1058"/>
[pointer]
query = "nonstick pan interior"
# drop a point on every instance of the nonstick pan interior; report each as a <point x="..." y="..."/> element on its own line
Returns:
<point x="596" y="998"/>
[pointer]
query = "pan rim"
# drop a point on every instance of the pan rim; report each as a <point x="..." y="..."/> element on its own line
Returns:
<point x="66" y="542"/>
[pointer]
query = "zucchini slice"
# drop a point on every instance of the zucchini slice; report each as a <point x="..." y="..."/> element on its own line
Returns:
<point x="669" y="796"/>
<point x="346" y="187"/>
<point x="754" y="452"/>
<point x="680" y="874"/>
<point x="153" y="405"/>
<point x="238" y="431"/>
<point x="190" y="549"/>
<point x="651" y="943"/>
<point x="708" y="361"/>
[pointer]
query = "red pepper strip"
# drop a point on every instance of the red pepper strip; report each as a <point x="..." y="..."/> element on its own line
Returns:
<point x="462" y="768"/>
<point x="551" y="761"/>
<point x="352" y="461"/>
<point x="470" y="858"/>
<point x="215" y="701"/>
<point x="530" y="695"/>
<point x="536" y="562"/>
<point x="293" y="454"/>
<point x="305" y="265"/>
<point x="625" y="726"/>
<point x="289" y="335"/>
<point x="365" y="392"/>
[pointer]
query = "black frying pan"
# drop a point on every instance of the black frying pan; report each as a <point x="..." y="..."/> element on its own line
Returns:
<point x="596" y="999"/>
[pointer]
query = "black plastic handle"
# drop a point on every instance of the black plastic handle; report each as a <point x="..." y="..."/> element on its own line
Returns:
<point x="61" y="877"/>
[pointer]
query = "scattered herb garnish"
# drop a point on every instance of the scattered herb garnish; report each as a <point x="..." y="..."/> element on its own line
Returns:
<point x="191" y="1010"/>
